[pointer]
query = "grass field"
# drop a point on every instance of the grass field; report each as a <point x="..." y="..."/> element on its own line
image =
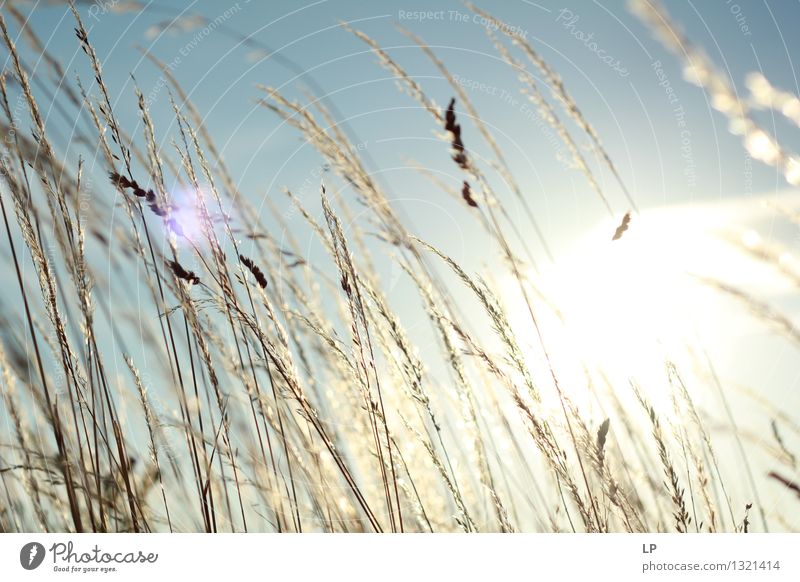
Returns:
<point x="180" y="355"/>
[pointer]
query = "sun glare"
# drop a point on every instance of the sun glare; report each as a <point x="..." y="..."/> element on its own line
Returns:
<point x="629" y="306"/>
<point x="186" y="218"/>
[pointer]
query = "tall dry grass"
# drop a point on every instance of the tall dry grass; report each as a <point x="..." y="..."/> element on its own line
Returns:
<point x="159" y="380"/>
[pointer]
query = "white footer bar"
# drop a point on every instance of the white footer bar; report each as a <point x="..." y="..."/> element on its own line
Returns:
<point x="403" y="557"/>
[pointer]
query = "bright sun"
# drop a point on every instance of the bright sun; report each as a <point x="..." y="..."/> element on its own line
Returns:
<point x="627" y="307"/>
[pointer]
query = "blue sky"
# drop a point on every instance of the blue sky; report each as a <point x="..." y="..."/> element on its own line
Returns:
<point x="665" y="159"/>
<point x="631" y="113"/>
<point x="672" y="150"/>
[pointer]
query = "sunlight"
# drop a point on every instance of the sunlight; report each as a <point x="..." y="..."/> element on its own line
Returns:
<point x="490" y="279"/>
<point x="631" y="305"/>
<point x="186" y="216"/>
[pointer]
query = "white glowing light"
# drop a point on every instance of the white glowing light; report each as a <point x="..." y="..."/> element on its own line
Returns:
<point x="186" y="217"/>
<point x="751" y="239"/>
<point x="762" y="147"/>
<point x="630" y="306"/>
